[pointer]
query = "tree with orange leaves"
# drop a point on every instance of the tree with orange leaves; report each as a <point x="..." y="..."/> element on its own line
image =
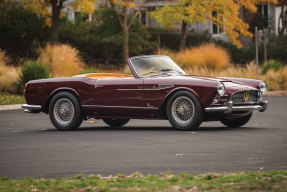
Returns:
<point x="191" y="11"/>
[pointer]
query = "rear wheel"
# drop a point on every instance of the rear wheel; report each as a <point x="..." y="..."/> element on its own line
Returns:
<point x="65" y="111"/>
<point x="184" y="111"/>
<point x="116" y="122"/>
<point x="236" y="121"/>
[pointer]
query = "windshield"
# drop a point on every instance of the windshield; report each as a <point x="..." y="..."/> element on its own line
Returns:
<point x="146" y="66"/>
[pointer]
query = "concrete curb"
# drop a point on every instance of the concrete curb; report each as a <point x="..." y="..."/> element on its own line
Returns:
<point x="276" y="93"/>
<point x="10" y="107"/>
<point x="18" y="106"/>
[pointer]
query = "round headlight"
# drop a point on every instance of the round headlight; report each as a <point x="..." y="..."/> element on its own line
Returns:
<point x="220" y="89"/>
<point x="263" y="87"/>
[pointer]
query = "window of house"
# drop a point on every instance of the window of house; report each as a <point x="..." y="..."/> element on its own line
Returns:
<point x="143" y="17"/>
<point x="215" y="28"/>
<point x="263" y="16"/>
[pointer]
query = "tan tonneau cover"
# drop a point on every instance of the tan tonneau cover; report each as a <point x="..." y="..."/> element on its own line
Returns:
<point x="104" y="75"/>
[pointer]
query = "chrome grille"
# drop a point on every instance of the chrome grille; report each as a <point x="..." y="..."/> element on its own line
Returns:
<point x="238" y="97"/>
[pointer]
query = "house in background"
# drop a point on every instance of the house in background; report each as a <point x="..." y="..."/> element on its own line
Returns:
<point x="267" y="17"/>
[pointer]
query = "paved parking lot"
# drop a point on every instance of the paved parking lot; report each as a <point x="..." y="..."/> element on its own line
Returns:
<point x="31" y="146"/>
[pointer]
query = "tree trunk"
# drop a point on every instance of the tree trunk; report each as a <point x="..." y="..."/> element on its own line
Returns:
<point x="57" y="6"/>
<point x="183" y="36"/>
<point x="125" y="45"/>
<point x="123" y="19"/>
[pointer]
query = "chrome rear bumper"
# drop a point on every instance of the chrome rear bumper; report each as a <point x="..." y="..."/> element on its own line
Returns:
<point x="228" y="107"/>
<point x="31" y="108"/>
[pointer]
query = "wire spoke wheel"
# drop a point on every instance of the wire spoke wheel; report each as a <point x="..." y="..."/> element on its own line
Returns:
<point x="64" y="111"/>
<point x="183" y="110"/>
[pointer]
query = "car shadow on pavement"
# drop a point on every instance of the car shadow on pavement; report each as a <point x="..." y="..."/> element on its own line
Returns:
<point x="229" y="128"/>
<point x="129" y="128"/>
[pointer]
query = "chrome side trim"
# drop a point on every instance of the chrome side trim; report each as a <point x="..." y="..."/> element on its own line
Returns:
<point x="130" y="89"/>
<point x="31" y="108"/>
<point x="164" y="86"/>
<point x="123" y="107"/>
<point x="159" y="87"/>
<point x="229" y="107"/>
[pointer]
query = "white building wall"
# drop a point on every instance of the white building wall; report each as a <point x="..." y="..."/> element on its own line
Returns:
<point x="277" y="11"/>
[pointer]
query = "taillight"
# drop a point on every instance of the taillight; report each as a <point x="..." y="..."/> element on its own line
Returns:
<point x="26" y="84"/>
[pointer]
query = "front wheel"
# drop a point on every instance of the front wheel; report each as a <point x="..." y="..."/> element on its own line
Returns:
<point x="65" y="111"/>
<point x="116" y="122"/>
<point x="235" y="121"/>
<point x="184" y="111"/>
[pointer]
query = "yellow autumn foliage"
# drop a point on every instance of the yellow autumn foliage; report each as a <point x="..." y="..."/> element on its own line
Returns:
<point x="8" y="75"/>
<point x="276" y="80"/>
<point x="227" y="14"/>
<point x="207" y="55"/>
<point x="63" y="60"/>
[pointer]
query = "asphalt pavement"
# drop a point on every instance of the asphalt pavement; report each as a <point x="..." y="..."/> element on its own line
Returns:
<point x="31" y="147"/>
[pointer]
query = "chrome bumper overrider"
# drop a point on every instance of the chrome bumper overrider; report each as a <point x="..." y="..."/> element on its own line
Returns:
<point x="31" y="108"/>
<point x="228" y="107"/>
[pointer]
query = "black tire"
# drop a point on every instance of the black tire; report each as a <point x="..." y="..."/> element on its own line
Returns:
<point x="69" y="115"/>
<point x="116" y="122"/>
<point x="190" y="108"/>
<point x="236" y="122"/>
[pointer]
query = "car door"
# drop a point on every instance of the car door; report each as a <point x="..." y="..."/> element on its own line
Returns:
<point x="155" y="91"/>
<point x="118" y="97"/>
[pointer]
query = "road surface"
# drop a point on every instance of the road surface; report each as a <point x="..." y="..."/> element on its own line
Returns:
<point x="31" y="147"/>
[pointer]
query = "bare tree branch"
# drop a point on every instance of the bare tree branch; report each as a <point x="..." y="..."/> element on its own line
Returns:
<point x="116" y="12"/>
<point x="134" y="17"/>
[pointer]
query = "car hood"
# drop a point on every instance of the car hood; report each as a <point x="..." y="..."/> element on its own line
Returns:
<point x="230" y="85"/>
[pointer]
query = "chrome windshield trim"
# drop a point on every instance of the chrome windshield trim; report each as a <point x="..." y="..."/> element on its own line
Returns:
<point x="123" y="107"/>
<point x="137" y="57"/>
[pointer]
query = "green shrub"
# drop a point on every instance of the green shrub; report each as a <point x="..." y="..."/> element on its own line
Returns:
<point x="278" y="49"/>
<point x="33" y="70"/>
<point x="100" y="41"/>
<point x="271" y="64"/>
<point x="21" y="31"/>
<point x="89" y="70"/>
<point x="170" y="39"/>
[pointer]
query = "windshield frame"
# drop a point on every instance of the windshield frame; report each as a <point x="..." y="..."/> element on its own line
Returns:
<point x="134" y="71"/>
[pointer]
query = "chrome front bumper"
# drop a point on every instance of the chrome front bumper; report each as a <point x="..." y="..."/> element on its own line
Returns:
<point x="31" y="108"/>
<point x="228" y="107"/>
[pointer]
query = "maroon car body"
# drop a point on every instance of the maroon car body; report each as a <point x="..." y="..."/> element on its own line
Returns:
<point x="117" y="96"/>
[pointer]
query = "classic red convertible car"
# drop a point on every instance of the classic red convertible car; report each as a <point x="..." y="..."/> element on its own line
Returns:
<point x="158" y="89"/>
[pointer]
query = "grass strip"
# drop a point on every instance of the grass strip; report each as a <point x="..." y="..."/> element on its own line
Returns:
<point x="7" y="99"/>
<point x="274" y="180"/>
